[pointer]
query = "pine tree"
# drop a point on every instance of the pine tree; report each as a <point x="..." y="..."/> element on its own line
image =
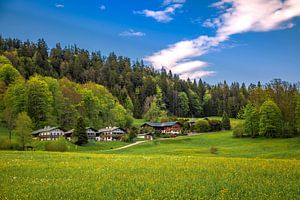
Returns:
<point x="225" y="121"/>
<point x="270" y="124"/>
<point x="79" y="135"/>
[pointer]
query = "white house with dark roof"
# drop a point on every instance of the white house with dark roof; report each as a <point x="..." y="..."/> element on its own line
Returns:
<point x="110" y="134"/>
<point x="48" y="133"/>
<point x="91" y="133"/>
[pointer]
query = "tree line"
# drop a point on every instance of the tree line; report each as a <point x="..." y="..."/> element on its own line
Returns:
<point x="57" y="102"/>
<point x="144" y="91"/>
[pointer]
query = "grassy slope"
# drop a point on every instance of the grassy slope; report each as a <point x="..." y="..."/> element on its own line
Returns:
<point x="227" y="146"/>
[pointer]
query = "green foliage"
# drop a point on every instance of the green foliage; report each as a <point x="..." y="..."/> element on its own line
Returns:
<point x="8" y="74"/>
<point x="239" y="131"/>
<point x="225" y="121"/>
<point x="201" y="126"/>
<point x="4" y="61"/>
<point x="270" y="124"/>
<point x="59" y="145"/>
<point x="121" y="116"/>
<point x="196" y="109"/>
<point x="251" y="116"/>
<point x="40" y="101"/>
<point x="79" y="135"/>
<point x="23" y="129"/>
<point x="7" y="144"/>
<point x="215" y="125"/>
<point x="154" y="113"/>
<point x="183" y="104"/>
<point x="297" y="114"/>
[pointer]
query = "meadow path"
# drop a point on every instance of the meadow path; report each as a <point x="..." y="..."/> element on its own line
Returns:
<point x="130" y="145"/>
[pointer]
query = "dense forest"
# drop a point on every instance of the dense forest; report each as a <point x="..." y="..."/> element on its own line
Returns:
<point x="138" y="87"/>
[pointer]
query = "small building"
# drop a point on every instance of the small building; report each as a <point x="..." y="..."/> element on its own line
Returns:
<point x="145" y="136"/>
<point x="166" y="127"/>
<point x="91" y="133"/>
<point x="110" y="134"/>
<point x="48" y="133"/>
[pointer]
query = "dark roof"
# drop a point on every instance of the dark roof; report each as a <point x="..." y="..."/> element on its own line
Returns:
<point x="45" y="129"/>
<point x="109" y="129"/>
<point x="160" y="125"/>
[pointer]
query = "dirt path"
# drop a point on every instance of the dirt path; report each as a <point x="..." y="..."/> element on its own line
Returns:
<point x="130" y="145"/>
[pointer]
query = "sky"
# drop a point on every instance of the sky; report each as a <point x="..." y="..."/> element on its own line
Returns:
<point x="216" y="40"/>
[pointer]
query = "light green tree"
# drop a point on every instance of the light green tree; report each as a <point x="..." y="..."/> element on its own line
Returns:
<point x="270" y="123"/>
<point x="183" y="104"/>
<point x="251" y="116"/>
<point x="23" y="129"/>
<point x="297" y="114"/>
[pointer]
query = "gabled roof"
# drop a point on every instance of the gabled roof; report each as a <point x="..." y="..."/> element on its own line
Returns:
<point x="160" y="125"/>
<point x="45" y="129"/>
<point x="110" y="129"/>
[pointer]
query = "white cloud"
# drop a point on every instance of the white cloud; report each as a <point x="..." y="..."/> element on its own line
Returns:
<point x="167" y="2"/>
<point x="237" y="16"/>
<point x="57" y="5"/>
<point x="131" y="32"/>
<point x="165" y="15"/>
<point x="102" y="7"/>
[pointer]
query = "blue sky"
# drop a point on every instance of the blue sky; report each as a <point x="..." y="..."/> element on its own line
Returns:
<point x="231" y="40"/>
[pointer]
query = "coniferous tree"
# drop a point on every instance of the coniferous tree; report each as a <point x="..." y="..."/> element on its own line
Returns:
<point x="225" y="121"/>
<point x="79" y="135"/>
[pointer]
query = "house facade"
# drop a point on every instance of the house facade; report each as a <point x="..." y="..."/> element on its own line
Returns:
<point x="110" y="134"/>
<point x="90" y="132"/>
<point x="166" y="127"/>
<point x="48" y="133"/>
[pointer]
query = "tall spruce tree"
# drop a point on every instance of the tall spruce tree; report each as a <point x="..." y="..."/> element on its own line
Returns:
<point x="225" y="121"/>
<point x="79" y="135"/>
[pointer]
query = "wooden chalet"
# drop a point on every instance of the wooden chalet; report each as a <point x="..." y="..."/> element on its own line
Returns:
<point x="48" y="133"/>
<point x="91" y="133"/>
<point x="110" y="134"/>
<point x="166" y="127"/>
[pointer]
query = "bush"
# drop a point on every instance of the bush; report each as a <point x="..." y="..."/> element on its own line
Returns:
<point x="59" y="145"/>
<point x="5" y="144"/>
<point x="213" y="150"/>
<point x="125" y="138"/>
<point x="215" y="125"/>
<point x="201" y="126"/>
<point x="239" y="130"/>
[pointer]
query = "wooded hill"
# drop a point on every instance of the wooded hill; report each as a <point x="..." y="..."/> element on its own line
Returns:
<point x="135" y="85"/>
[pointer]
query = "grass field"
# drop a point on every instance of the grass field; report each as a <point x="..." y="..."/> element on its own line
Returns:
<point x="42" y="175"/>
<point x="176" y="168"/>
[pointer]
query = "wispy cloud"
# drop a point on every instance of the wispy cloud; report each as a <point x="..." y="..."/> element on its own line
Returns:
<point x="102" y="7"/>
<point x="238" y="16"/>
<point x="131" y="33"/>
<point x="165" y="15"/>
<point x="57" y="5"/>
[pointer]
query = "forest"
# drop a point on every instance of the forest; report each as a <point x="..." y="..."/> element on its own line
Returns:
<point x="70" y="81"/>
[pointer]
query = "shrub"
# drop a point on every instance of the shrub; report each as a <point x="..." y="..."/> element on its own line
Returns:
<point x="59" y="145"/>
<point x="215" y="125"/>
<point x="5" y="144"/>
<point x="201" y="126"/>
<point x="213" y="150"/>
<point x="125" y="138"/>
<point x="225" y="121"/>
<point x="239" y="130"/>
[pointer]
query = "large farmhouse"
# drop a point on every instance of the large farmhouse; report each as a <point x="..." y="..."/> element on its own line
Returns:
<point x="110" y="134"/>
<point x="48" y="133"/>
<point x="91" y="133"/>
<point x="166" y="127"/>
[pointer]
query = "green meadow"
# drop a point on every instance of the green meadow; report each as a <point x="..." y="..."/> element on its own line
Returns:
<point x="177" y="168"/>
